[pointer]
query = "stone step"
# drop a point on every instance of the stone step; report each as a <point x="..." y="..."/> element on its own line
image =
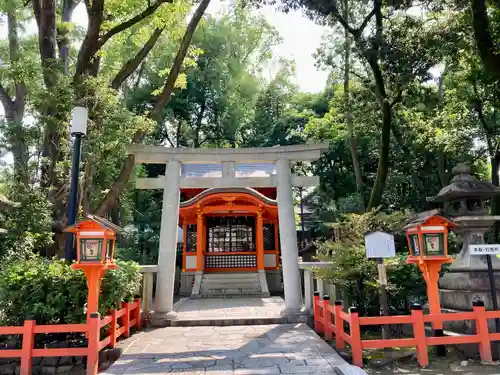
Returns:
<point x="236" y="283"/>
<point x="232" y="281"/>
<point x="228" y="285"/>
<point x="229" y="290"/>
<point x="222" y="322"/>
<point x="230" y="295"/>
<point x="232" y="276"/>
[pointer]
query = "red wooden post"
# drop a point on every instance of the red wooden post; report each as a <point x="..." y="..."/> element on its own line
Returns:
<point x="316" y="311"/>
<point x="482" y="331"/>
<point x="419" y="333"/>
<point x="94" y="334"/>
<point x="27" y="347"/>
<point x="339" y="326"/>
<point x="112" y="329"/>
<point x="357" y="350"/>
<point x="137" y="313"/>
<point x="126" y="319"/>
<point x="327" y="315"/>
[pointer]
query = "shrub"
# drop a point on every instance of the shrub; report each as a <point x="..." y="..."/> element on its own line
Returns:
<point x="357" y="276"/>
<point x="52" y="293"/>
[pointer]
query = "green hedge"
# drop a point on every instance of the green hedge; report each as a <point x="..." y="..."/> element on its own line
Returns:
<point x="51" y="292"/>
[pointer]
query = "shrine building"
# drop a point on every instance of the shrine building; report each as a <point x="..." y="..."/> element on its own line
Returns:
<point x="230" y="231"/>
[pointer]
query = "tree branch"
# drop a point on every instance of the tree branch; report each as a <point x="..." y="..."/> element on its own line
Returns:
<point x="165" y="95"/>
<point x="397" y="99"/>
<point x="7" y="102"/>
<point x="95" y="11"/>
<point x="334" y="10"/>
<point x="131" y="65"/>
<point x="363" y="25"/>
<point x="128" y="166"/>
<point x="484" y="40"/>
<point x="131" y="22"/>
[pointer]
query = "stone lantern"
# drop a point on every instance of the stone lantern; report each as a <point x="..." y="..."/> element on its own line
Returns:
<point x="465" y="201"/>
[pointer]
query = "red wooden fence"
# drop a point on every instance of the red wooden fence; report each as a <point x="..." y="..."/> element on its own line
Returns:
<point x="128" y="316"/>
<point x="329" y="320"/>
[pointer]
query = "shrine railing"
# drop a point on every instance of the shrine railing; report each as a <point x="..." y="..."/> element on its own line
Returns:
<point x="120" y="322"/>
<point x="331" y="320"/>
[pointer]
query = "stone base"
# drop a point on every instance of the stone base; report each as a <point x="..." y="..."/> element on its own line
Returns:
<point x="161" y="319"/>
<point x="458" y="290"/>
<point x="186" y="283"/>
<point x="274" y="281"/>
<point x="298" y="315"/>
<point x="467" y="327"/>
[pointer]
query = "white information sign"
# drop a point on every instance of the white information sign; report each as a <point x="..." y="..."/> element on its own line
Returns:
<point x="380" y="245"/>
<point x="483" y="249"/>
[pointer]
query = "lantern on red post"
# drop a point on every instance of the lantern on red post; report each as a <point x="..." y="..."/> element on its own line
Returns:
<point x="427" y="237"/>
<point x="95" y="243"/>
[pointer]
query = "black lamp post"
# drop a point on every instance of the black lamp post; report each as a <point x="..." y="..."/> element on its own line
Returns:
<point x="78" y="130"/>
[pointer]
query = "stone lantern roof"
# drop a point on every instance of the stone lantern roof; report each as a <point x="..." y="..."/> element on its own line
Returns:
<point x="464" y="185"/>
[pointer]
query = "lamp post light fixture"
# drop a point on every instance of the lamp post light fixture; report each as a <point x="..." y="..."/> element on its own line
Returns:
<point x="79" y="118"/>
<point x="95" y="244"/>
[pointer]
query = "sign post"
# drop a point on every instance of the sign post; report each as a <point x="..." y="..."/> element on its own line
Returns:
<point x="380" y="245"/>
<point x="489" y="250"/>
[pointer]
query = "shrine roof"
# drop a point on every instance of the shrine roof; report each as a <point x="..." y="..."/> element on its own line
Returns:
<point x="98" y="220"/>
<point x="211" y="191"/>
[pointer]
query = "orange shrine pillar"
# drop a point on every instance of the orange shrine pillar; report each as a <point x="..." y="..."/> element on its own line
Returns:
<point x="199" y="242"/>
<point x="259" y="244"/>
<point x="184" y="238"/>
<point x="259" y="241"/>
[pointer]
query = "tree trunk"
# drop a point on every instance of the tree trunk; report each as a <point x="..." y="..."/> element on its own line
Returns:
<point x="443" y="177"/>
<point x="495" y="202"/>
<point x="157" y="113"/>
<point x="383" y="161"/>
<point x="14" y="108"/>
<point x="199" y="120"/>
<point x="351" y="138"/>
<point x="64" y="41"/>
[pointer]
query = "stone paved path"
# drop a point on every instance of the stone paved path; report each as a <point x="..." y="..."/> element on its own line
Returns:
<point x="235" y="350"/>
<point x="233" y="308"/>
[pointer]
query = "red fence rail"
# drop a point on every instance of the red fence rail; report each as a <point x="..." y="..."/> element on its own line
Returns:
<point x="128" y="316"/>
<point x="330" y="320"/>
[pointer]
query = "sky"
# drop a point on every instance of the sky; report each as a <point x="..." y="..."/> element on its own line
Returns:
<point x="301" y="37"/>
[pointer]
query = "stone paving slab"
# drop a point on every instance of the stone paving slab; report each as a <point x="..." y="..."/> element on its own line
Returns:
<point x="209" y="308"/>
<point x="238" y="350"/>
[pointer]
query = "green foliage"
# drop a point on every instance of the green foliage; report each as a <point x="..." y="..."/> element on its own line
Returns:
<point x="29" y="225"/>
<point x="357" y="276"/>
<point x="119" y="285"/>
<point x="52" y="293"/>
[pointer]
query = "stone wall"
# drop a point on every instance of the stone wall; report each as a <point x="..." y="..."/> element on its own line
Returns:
<point x="46" y="366"/>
